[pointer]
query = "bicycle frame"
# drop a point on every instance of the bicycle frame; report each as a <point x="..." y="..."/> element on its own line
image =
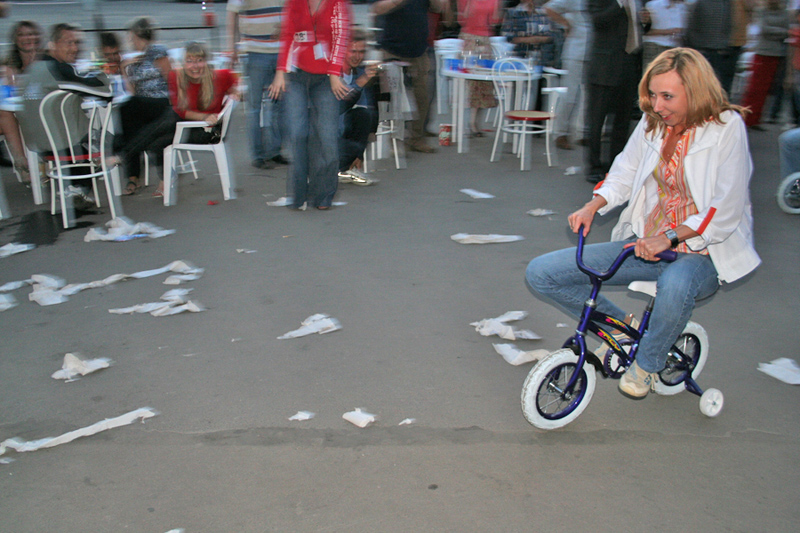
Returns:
<point x="591" y="317"/>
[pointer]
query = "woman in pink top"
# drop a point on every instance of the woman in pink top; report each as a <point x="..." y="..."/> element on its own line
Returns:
<point x="314" y="35"/>
<point x="477" y="19"/>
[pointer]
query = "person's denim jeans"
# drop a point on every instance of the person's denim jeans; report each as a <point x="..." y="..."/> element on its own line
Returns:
<point x="681" y="283"/>
<point x="789" y="146"/>
<point x="312" y="107"/>
<point x="265" y="142"/>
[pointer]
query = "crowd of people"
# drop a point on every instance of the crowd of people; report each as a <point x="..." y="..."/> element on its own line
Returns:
<point x="308" y="84"/>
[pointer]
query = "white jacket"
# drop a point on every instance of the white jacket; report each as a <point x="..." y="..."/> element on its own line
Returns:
<point x="717" y="168"/>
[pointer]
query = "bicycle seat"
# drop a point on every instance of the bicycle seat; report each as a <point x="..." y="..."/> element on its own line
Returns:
<point x="646" y="287"/>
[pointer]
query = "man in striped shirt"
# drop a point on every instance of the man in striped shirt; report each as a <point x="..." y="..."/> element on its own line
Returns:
<point x="256" y="25"/>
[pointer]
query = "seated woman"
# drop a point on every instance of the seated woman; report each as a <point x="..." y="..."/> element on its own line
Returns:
<point x="146" y="79"/>
<point x="684" y="173"/>
<point x="26" y="37"/>
<point x="197" y="92"/>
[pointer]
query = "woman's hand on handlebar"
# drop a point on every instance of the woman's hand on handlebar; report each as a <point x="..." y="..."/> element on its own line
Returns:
<point x="585" y="215"/>
<point x="649" y="247"/>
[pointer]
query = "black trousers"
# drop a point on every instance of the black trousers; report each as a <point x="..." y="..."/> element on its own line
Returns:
<point x="359" y="123"/>
<point x="604" y="101"/>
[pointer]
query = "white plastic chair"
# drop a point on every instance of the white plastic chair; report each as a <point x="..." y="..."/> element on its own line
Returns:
<point x="53" y="112"/>
<point x="220" y="150"/>
<point x="522" y="121"/>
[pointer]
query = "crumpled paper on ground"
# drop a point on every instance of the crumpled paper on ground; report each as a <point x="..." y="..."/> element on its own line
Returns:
<point x="124" y="229"/>
<point x="784" y="369"/>
<point x="15" y="248"/>
<point x="48" y="442"/>
<point x="319" y="323"/>
<point x="407" y="421"/>
<point x="74" y="366"/>
<point x="540" y="212"/>
<point x="7" y="301"/>
<point x="497" y="326"/>
<point x="302" y="415"/>
<point x="477" y="194"/>
<point x="51" y="290"/>
<point x="491" y="238"/>
<point x="359" y="417"/>
<point x="516" y="357"/>
<point x="174" y="302"/>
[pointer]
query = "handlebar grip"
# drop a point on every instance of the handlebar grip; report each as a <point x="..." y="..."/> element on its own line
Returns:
<point x="668" y="255"/>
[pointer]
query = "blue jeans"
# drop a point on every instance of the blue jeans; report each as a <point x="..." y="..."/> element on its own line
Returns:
<point x="681" y="283"/>
<point x="789" y="146"/>
<point x="312" y="107"/>
<point x="265" y="142"/>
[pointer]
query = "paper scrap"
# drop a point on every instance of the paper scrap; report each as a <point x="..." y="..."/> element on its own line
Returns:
<point x="477" y="194"/>
<point x="562" y="325"/>
<point x="539" y="212"/>
<point x="516" y="357"/>
<point x="14" y="285"/>
<point x="7" y="301"/>
<point x="51" y="290"/>
<point x="492" y="238"/>
<point x="497" y="326"/>
<point x="319" y="323"/>
<point x="48" y="442"/>
<point x="571" y="171"/>
<point x="174" y="302"/>
<point x="15" y="248"/>
<point x="302" y="415"/>
<point x="359" y="417"/>
<point x="407" y="421"/>
<point x="74" y="366"/>
<point x="283" y="201"/>
<point x="245" y="251"/>
<point x="124" y="229"/>
<point x="784" y="369"/>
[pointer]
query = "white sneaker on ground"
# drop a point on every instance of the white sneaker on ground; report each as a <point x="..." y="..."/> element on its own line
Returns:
<point x="359" y="178"/>
<point x="345" y="177"/>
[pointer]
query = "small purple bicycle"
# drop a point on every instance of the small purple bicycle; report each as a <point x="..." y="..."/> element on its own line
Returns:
<point x="561" y="385"/>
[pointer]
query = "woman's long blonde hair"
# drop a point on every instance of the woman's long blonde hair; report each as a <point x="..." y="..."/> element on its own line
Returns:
<point x="706" y="97"/>
<point x="199" y="51"/>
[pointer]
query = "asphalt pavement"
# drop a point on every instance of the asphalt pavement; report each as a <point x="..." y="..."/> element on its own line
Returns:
<point x="222" y="455"/>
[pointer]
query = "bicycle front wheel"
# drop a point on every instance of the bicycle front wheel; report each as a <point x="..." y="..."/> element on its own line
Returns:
<point x="546" y="403"/>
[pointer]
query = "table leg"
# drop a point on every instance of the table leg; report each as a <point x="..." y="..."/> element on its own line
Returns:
<point x="463" y="140"/>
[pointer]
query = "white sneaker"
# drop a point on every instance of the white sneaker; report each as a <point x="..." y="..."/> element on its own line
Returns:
<point x="636" y="383"/>
<point x="345" y="177"/>
<point x="359" y="178"/>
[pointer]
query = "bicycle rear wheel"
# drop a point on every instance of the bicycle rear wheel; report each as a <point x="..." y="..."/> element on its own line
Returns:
<point x="789" y="194"/>
<point x="693" y="344"/>
<point x="545" y="402"/>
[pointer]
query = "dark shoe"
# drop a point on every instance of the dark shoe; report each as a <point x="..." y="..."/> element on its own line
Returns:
<point x="420" y="146"/>
<point x="562" y="142"/>
<point x="261" y="163"/>
<point x="595" y="178"/>
<point x="279" y="159"/>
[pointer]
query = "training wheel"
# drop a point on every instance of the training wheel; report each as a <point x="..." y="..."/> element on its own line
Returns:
<point x="711" y="402"/>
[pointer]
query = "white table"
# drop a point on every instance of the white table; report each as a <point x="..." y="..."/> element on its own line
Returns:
<point x="475" y="74"/>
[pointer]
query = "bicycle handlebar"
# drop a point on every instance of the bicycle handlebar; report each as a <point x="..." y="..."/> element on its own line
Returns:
<point x="666" y="255"/>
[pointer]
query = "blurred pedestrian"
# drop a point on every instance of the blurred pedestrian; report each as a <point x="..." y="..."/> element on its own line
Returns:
<point x="478" y="19"/>
<point x="770" y="50"/>
<point x="314" y="37"/>
<point x="255" y="25"/>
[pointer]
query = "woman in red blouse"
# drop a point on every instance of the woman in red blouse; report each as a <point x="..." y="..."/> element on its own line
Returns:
<point x="197" y="92"/>
<point x="314" y="38"/>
